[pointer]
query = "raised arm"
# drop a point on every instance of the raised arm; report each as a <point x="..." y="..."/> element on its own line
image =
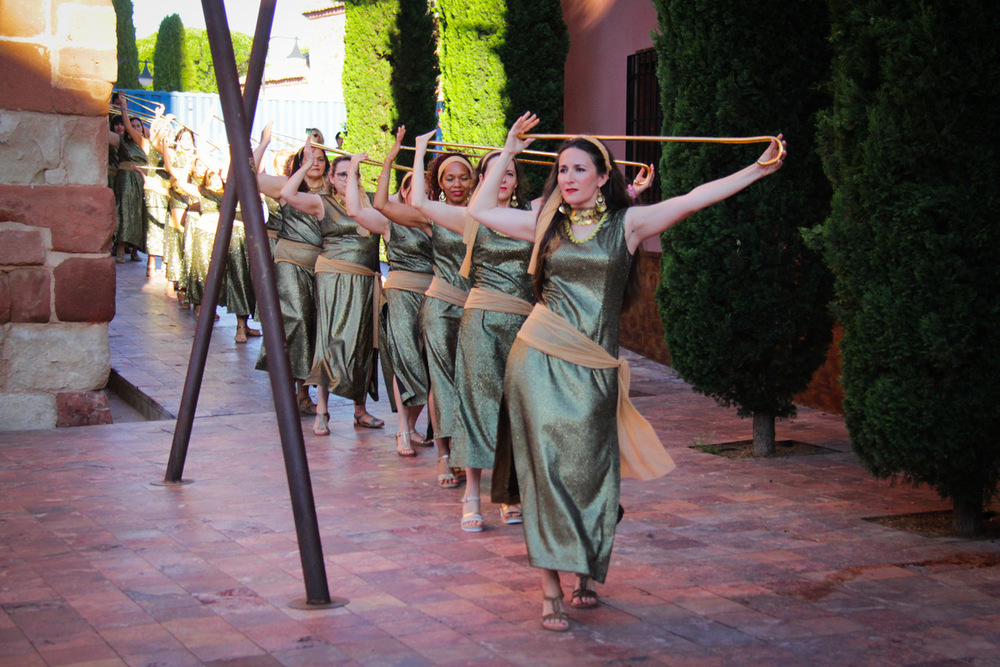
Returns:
<point x="258" y="153"/>
<point x="483" y="207"/>
<point x="367" y="217"/>
<point x="642" y="222"/>
<point x="268" y="184"/>
<point x="398" y="211"/>
<point x="303" y="201"/>
<point x="137" y="136"/>
<point x="446" y="215"/>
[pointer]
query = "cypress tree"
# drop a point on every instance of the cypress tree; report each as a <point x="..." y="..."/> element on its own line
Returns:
<point x="472" y="74"/>
<point x="911" y="145"/>
<point x="414" y="77"/>
<point x="744" y="301"/>
<point x="128" y="55"/>
<point x="371" y="108"/>
<point x="534" y="59"/>
<point x="168" y="59"/>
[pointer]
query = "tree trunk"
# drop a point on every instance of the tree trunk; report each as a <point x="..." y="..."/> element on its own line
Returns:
<point x="763" y="434"/>
<point x="967" y="517"/>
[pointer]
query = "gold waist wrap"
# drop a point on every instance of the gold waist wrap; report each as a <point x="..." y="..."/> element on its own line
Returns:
<point x="272" y="233"/>
<point x="642" y="453"/>
<point x="408" y="281"/>
<point x="300" y="254"/>
<point x="498" y="302"/>
<point x="324" y="265"/>
<point x="442" y="289"/>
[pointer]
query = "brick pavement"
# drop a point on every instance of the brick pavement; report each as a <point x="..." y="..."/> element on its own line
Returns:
<point x="722" y="562"/>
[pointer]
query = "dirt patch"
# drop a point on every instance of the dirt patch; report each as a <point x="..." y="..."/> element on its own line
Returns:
<point x="936" y="524"/>
<point x="743" y="449"/>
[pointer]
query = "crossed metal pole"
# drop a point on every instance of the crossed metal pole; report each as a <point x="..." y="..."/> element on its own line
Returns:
<point x="238" y="112"/>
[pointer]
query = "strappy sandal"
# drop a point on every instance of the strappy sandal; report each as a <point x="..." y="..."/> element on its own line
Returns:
<point x="557" y="621"/>
<point x="583" y="597"/>
<point x="448" y="479"/>
<point x="511" y="514"/>
<point x="405" y="451"/>
<point x="306" y="406"/>
<point x="472" y="522"/>
<point x="253" y="333"/>
<point x="372" y="421"/>
<point x="320" y="427"/>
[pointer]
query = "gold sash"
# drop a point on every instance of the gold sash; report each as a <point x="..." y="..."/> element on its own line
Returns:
<point x="324" y="265"/>
<point x="498" y="302"/>
<point x="642" y="454"/>
<point x="408" y="281"/>
<point x="442" y="289"/>
<point x="299" y="254"/>
<point x="272" y="233"/>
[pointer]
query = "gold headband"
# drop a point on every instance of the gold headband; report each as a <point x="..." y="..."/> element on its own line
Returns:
<point x="449" y="160"/>
<point x="601" y="147"/>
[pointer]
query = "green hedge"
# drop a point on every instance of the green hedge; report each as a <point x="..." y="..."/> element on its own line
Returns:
<point x="168" y="58"/>
<point x="128" y="56"/>
<point x="744" y="302"/>
<point x="911" y="145"/>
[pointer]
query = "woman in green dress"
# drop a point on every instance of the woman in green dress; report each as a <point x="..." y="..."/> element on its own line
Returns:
<point x="450" y="179"/>
<point x="179" y="160"/>
<point x="130" y="204"/>
<point x="157" y="193"/>
<point x="347" y="283"/>
<point x="201" y="229"/>
<point x="573" y="435"/>
<point x="299" y="244"/>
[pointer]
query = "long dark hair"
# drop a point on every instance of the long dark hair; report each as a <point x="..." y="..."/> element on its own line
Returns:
<point x="297" y="163"/>
<point x="616" y="197"/>
<point x="520" y="195"/>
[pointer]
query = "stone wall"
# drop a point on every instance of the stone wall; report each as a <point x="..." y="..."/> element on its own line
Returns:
<point x="57" y="279"/>
<point x="642" y="332"/>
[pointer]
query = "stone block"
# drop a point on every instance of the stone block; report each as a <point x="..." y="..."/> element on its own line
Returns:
<point x="21" y="412"/>
<point x="31" y="295"/>
<point x="82" y="218"/>
<point x="23" y="22"/>
<point x="88" y="63"/>
<point x="21" y="248"/>
<point x="85" y="289"/>
<point x="28" y="84"/>
<point x="4" y="298"/>
<point x="47" y="149"/>
<point x="55" y="357"/>
<point x="85" y="21"/>
<point x="82" y="408"/>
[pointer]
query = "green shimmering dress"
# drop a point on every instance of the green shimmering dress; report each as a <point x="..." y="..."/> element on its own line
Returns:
<point x="130" y="203"/>
<point x="344" y="309"/>
<point x="484" y="339"/>
<point x="173" y="238"/>
<point x="439" y="322"/>
<point x="297" y="294"/>
<point x="562" y="417"/>
<point x="200" y="231"/>
<point x="240" y="299"/>
<point x="408" y="249"/>
<point x="157" y="204"/>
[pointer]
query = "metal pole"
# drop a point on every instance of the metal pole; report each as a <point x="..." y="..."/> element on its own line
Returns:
<point x="244" y="177"/>
<point x="217" y="266"/>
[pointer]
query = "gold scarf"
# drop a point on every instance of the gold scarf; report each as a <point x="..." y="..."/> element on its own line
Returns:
<point x="299" y="254"/>
<point x="442" y="289"/>
<point x="642" y="454"/>
<point x="408" y="281"/>
<point x="498" y="302"/>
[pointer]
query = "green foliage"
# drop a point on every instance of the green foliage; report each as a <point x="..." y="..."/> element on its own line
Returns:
<point x="413" y="48"/>
<point x="473" y="79"/>
<point x="199" y="69"/>
<point x="911" y="146"/>
<point x="534" y="59"/>
<point x="147" y="48"/>
<point x="744" y="302"/>
<point x="168" y="59"/>
<point x="128" y="57"/>
<point x="371" y="109"/>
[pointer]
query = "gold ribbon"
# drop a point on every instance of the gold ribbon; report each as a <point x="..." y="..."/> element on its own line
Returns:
<point x="642" y="454"/>
<point x="299" y="254"/>
<point x="325" y="265"/>
<point x="408" y="281"/>
<point x="272" y="233"/>
<point x="442" y="289"/>
<point x="498" y="302"/>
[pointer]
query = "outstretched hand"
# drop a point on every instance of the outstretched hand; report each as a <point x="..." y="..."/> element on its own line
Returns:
<point x="421" y="142"/>
<point x="265" y="134"/>
<point x="400" y="133"/>
<point x="356" y="160"/>
<point x="774" y="150"/>
<point x="515" y="142"/>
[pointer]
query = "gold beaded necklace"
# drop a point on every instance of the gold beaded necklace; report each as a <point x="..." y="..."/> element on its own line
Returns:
<point x="598" y="222"/>
<point x="584" y="217"/>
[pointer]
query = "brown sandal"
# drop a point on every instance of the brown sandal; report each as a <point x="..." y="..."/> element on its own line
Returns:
<point x="583" y="597"/>
<point x="557" y="621"/>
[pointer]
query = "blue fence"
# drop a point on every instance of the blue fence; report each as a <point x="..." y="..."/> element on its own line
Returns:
<point x="202" y="112"/>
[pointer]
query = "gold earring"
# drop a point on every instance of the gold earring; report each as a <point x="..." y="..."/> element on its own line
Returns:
<point x="601" y="205"/>
<point x="564" y="209"/>
<point x="513" y="200"/>
<point x="441" y="196"/>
